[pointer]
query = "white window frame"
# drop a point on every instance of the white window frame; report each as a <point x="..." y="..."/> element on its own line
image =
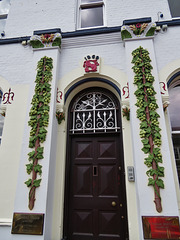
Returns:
<point x="90" y="5"/>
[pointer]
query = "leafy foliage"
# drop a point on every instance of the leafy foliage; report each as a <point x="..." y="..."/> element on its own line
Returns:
<point x="146" y="113"/>
<point x="39" y="120"/>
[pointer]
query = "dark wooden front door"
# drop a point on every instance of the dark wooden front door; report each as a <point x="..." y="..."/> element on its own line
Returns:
<point x="96" y="204"/>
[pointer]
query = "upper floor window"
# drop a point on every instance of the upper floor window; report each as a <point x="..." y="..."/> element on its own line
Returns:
<point x="174" y="112"/>
<point x="174" y="8"/>
<point x="4" y="9"/>
<point x="91" y="13"/>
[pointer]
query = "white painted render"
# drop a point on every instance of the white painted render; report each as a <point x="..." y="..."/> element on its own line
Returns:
<point x="18" y="65"/>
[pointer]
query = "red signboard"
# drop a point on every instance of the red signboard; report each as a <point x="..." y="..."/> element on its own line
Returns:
<point x="161" y="227"/>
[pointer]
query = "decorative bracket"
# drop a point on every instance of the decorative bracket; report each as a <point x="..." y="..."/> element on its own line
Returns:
<point x="138" y="30"/>
<point x="45" y="40"/>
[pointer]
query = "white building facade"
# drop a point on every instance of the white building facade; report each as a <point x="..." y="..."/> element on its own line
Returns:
<point x="89" y="124"/>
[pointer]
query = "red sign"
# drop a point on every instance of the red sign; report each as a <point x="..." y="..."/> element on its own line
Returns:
<point x="90" y="65"/>
<point x="161" y="227"/>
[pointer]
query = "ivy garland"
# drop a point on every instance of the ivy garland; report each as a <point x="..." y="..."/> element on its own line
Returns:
<point x="39" y="119"/>
<point x="149" y="126"/>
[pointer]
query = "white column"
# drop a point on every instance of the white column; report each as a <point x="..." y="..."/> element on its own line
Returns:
<point x="44" y="193"/>
<point x="145" y="193"/>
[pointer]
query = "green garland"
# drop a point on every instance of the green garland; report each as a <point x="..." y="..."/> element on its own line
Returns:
<point x="149" y="126"/>
<point x="39" y="119"/>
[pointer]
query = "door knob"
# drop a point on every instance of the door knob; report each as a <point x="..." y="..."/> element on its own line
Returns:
<point x="113" y="204"/>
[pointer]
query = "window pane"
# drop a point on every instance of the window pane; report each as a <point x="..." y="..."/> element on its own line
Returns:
<point x="174" y="108"/>
<point x="176" y="143"/>
<point x="174" y="7"/>
<point x="92" y="17"/>
<point x="4" y="6"/>
<point x="90" y="1"/>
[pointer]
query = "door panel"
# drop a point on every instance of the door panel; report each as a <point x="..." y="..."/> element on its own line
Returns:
<point x="96" y="190"/>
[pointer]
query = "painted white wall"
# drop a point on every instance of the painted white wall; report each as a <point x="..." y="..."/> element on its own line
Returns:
<point x="5" y="232"/>
<point x="118" y="11"/>
<point x="18" y="70"/>
<point x="45" y="14"/>
<point x="10" y="148"/>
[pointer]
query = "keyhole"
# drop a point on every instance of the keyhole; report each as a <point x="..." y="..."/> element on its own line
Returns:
<point x="95" y="171"/>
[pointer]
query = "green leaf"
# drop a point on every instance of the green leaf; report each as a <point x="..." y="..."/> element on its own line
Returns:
<point x="152" y="172"/>
<point x="125" y="34"/>
<point x="31" y="144"/>
<point x="143" y="125"/>
<point x="148" y="84"/>
<point x="140" y="110"/>
<point x="145" y="141"/>
<point x="157" y="129"/>
<point x="42" y="130"/>
<point x="151" y="181"/>
<point x="40" y="149"/>
<point x="42" y="137"/>
<point x="161" y="171"/>
<point x="156" y="151"/>
<point x="39" y="156"/>
<point x="148" y="130"/>
<point x="28" y="182"/>
<point x="139" y="92"/>
<point x="29" y="167"/>
<point x="160" y="183"/>
<point x="38" y="168"/>
<point x="36" y="183"/>
<point x="31" y="154"/>
<point x="36" y="44"/>
<point x="157" y="135"/>
<point x="145" y="150"/>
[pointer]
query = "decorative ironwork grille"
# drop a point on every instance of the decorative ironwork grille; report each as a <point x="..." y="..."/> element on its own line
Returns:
<point x="94" y="112"/>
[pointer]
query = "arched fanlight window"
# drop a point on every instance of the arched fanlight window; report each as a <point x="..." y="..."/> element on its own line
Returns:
<point x="94" y="112"/>
<point x="174" y="113"/>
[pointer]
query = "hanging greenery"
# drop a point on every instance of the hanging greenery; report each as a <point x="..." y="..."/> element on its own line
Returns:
<point x="149" y="126"/>
<point x="39" y="119"/>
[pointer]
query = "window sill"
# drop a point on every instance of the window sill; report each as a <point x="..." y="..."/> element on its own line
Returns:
<point x="94" y="27"/>
<point x="175" y="18"/>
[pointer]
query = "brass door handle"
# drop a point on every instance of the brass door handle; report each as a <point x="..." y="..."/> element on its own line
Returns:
<point x="113" y="204"/>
